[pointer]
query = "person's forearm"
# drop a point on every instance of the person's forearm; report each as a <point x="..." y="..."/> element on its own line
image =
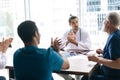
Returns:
<point x="67" y="42"/>
<point x="74" y="42"/>
<point x="55" y="49"/>
<point x="110" y="63"/>
<point x="84" y="46"/>
<point x="65" y="63"/>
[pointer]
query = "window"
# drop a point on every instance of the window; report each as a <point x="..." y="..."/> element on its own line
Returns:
<point x="51" y="17"/>
<point x="92" y="19"/>
<point x="11" y="14"/>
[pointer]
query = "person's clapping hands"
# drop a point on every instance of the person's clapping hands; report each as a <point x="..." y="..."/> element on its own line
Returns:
<point x="99" y="51"/>
<point x="55" y="44"/>
<point x="96" y="56"/>
<point x="71" y="38"/>
<point x="5" y="44"/>
<point x="93" y="57"/>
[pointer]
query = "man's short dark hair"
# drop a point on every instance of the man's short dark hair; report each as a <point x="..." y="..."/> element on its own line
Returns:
<point x="26" y="30"/>
<point x="71" y="17"/>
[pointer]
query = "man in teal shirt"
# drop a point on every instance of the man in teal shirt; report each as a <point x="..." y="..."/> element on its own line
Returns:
<point x="33" y="63"/>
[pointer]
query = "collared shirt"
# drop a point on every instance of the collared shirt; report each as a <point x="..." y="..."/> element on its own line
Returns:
<point x="33" y="63"/>
<point x="83" y="38"/>
<point x="112" y="51"/>
<point x="2" y="60"/>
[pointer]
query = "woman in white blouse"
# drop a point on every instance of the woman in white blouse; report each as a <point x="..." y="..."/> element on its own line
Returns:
<point x="3" y="48"/>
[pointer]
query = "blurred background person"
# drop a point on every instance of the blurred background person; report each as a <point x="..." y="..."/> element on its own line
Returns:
<point x="3" y="48"/>
<point x="110" y="68"/>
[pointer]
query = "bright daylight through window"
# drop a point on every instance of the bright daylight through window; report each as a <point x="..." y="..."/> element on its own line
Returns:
<point x="51" y="16"/>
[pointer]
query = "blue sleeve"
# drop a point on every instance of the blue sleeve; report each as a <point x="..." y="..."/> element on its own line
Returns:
<point x="55" y="59"/>
<point x="114" y="48"/>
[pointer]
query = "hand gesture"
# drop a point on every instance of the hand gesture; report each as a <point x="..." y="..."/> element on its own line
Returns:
<point x="99" y="51"/>
<point x="55" y="44"/>
<point x="92" y="57"/>
<point x="71" y="37"/>
<point x="5" y="44"/>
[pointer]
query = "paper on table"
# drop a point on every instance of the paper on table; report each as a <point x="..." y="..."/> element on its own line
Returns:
<point x="79" y="57"/>
<point x="78" y="51"/>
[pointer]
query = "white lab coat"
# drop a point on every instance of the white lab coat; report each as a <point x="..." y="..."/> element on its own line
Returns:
<point x="83" y="38"/>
